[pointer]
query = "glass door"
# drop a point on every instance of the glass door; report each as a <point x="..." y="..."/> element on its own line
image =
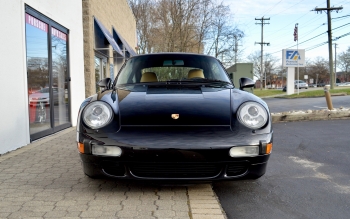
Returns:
<point x="48" y="75"/>
<point x="38" y="74"/>
<point x="60" y="77"/>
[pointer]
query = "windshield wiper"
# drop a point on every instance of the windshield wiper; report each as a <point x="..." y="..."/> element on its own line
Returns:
<point x="208" y="80"/>
<point x="192" y="81"/>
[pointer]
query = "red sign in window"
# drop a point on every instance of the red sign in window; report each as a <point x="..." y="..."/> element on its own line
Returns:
<point x="58" y="34"/>
<point x="36" y="23"/>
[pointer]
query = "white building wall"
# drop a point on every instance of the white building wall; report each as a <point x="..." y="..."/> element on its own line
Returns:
<point x="14" y="119"/>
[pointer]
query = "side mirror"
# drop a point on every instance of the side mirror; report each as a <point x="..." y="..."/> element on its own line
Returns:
<point x="246" y="83"/>
<point x="105" y="83"/>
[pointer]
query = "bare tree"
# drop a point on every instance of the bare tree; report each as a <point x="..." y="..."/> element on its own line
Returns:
<point x="319" y="70"/>
<point x="270" y="67"/>
<point x="142" y="10"/>
<point x="200" y="26"/>
<point x="344" y="63"/>
<point x="222" y="36"/>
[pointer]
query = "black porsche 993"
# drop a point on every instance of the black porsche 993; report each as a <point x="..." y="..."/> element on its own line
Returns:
<point x="174" y="116"/>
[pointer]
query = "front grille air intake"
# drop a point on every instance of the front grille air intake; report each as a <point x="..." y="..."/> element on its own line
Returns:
<point x="176" y="170"/>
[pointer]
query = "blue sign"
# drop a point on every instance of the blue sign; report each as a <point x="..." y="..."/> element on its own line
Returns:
<point x="293" y="58"/>
<point x="292" y="55"/>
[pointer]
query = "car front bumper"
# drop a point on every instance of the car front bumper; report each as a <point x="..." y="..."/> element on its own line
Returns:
<point x="175" y="164"/>
<point x="183" y="153"/>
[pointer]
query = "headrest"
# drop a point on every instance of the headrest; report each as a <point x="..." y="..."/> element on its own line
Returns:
<point x="195" y="73"/>
<point x="149" y="77"/>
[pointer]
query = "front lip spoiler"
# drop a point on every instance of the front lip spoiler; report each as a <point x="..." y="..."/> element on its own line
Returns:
<point x="221" y="176"/>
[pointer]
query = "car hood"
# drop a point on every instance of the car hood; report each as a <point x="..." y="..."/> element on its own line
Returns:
<point x="39" y="95"/>
<point x="204" y="106"/>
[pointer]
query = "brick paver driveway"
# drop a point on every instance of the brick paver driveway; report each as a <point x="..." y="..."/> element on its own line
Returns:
<point x="45" y="180"/>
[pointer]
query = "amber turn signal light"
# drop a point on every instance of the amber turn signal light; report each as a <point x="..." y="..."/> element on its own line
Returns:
<point x="269" y="148"/>
<point x="81" y="147"/>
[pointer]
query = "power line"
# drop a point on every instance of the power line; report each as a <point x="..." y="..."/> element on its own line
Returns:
<point x="272" y="7"/>
<point x="321" y="44"/>
<point x="313" y="37"/>
<point x="341" y="17"/>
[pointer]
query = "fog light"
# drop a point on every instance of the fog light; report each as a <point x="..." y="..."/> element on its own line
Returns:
<point x="106" y="150"/>
<point x="244" y="151"/>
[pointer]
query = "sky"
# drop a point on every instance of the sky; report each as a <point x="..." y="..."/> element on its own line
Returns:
<point x="284" y="14"/>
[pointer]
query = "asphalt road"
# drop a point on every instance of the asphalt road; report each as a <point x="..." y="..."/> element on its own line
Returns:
<point x="317" y="103"/>
<point x="308" y="176"/>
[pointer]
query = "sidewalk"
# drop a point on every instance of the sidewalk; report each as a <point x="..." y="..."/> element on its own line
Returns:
<point x="45" y="180"/>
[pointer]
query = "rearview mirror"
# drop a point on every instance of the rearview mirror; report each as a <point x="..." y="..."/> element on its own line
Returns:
<point x="246" y="83"/>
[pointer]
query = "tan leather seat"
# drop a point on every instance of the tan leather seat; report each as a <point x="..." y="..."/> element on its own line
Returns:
<point x="195" y="73"/>
<point x="149" y="77"/>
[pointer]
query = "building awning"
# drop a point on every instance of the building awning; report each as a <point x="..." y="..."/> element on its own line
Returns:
<point x="126" y="45"/>
<point x="109" y="37"/>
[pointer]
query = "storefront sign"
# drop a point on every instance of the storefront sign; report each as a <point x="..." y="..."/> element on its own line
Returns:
<point x="36" y="23"/>
<point x="58" y="34"/>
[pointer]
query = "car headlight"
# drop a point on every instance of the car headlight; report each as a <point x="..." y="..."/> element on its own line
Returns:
<point x="97" y="114"/>
<point x="252" y="114"/>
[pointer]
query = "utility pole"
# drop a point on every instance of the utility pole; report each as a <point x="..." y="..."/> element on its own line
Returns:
<point x="328" y="11"/>
<point x="235" y="36"/>
<point x="335" y="62"/>
<point x="262" y="44"/>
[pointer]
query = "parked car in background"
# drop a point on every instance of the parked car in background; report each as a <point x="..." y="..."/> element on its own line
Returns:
<point x="300" y="84"/>
<point x="43" y="96"/>
<point x="174" y="116"/>
<point x="344" y="84"/>
<point x="312" y="85"/>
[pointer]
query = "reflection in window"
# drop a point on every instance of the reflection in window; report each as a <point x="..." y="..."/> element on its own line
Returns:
<point x="100" y="70"/>
<point x="59" y="75"/>
<point x="97" y="72"/>
<point x="38" y="74"/>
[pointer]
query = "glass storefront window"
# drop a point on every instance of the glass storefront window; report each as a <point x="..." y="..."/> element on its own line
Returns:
<point x="59" y="76"/>
<point x="48" y="75"/>
<point x="38" y="74"/>
<point x="100" y="70"/>
<point x="97" y="72"/>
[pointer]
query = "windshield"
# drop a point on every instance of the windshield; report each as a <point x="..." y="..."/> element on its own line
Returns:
<point x="172" y="67"/>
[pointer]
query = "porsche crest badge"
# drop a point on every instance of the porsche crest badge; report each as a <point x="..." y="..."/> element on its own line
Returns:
<point x="175" y="116"/>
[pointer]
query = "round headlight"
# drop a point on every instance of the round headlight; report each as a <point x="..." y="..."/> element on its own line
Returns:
<point x="252" y="114"/>
<point x="97" y="114"/>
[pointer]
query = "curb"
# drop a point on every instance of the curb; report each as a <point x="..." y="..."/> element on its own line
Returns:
<point x="311" y="115"/>
<point x="203" y="203"/>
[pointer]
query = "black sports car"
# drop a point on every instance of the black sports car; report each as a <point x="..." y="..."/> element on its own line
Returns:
<point x="174" y="116"/>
